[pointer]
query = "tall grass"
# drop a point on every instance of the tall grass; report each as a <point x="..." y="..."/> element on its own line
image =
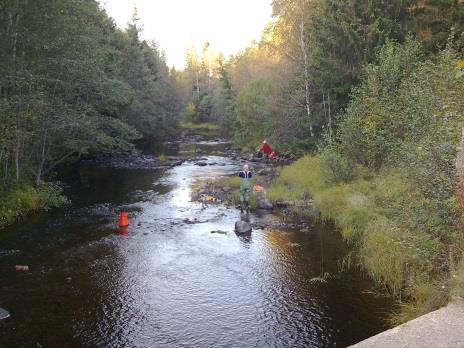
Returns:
<point x="203" y="126"/>
<point x="377" y="213"/>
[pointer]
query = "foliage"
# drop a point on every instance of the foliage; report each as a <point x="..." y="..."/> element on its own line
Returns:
<point x="71" y="83"/>
<point x="388" y="179"/>
<point x="314" y="53"/>
<point x="457" y="281"/>
<point x="22" y="199"/>
<point x="254" y="110"/>
<point x="371" y="127"/>
<point x="197" y="126"/>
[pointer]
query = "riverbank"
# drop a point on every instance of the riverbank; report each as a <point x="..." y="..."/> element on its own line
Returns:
<point x="22" y="200"/>
<point x="441" y="328"/>
<point x="381" y="216"/>
<point x="18" y="200"/>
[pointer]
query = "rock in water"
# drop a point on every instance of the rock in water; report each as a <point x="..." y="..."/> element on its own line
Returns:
<point x="242" y="227"/>
<point x="23" y="268"/>
<point x="4" y="314"/>
<point x="264" y="203"/>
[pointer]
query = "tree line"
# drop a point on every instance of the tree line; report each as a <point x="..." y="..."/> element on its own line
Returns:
<point x="73" y="84"/>
<point x="294" y="84"/>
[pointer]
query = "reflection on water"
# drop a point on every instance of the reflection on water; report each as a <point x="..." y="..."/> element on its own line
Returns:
<point x="163" y="282"/>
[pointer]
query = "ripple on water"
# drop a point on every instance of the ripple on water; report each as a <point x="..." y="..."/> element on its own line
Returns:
<point x="165" y="283"/>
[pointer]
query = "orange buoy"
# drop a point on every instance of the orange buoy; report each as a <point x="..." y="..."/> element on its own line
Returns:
<point x="123" y="219"/>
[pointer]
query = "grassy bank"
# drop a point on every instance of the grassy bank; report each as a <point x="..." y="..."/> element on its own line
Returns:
<point x="205" y="129"/>
<point x="23" y="199"/>
<point x="399" y="237"/>
<point x="201" y="126"/>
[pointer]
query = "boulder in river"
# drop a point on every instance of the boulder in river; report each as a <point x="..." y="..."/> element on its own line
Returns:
<point x="242" y="227"/>
<point x="23" y="268"/>
<point x="4" y="314"/>
<point x="201" y="164"/>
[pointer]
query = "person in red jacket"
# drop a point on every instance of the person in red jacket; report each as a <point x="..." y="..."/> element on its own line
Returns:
<point x="265" y="149"/>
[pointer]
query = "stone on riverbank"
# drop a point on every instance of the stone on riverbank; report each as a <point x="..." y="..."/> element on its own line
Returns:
<point x="266" y="171"/>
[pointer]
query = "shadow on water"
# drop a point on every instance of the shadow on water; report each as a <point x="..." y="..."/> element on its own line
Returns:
<point x="167" y="280"/>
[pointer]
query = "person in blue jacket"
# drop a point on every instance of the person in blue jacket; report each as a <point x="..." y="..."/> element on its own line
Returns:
<point x="245" y="187"/>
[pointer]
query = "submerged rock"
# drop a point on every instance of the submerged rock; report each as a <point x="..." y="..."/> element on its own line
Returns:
<point x="242" y="227"/>
<point x="4" y="314"/>
<point x="218" y="232"/>
<point x="201" y="164"/>
<point x="9" y="252"/>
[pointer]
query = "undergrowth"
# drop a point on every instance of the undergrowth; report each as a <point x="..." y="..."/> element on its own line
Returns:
<point x="390" y="225"/>
<point x="22" y="199"/>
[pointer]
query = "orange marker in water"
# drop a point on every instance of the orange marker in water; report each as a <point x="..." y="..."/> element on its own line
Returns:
<point x="123" y="219"/>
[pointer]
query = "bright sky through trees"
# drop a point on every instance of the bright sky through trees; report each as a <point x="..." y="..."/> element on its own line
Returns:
<point x="176" y="25"/>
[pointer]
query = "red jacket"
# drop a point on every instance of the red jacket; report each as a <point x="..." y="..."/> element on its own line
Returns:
<point x="266" y="149"/>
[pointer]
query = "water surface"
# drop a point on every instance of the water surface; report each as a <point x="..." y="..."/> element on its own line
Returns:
<point x="164" y="282"/>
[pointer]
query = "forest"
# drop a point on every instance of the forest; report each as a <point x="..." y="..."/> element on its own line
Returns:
<point x="72" y="84"/>
<point x="366" y="95"/>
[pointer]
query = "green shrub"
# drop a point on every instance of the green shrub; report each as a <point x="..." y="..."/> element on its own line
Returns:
<point x="51" y="196"/>
<point x="301" y="180"/>
<point x="341" y="168"/>
<point x="21" y="200"/>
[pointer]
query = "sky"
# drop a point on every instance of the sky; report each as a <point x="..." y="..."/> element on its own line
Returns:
<point x="176" y="25"/>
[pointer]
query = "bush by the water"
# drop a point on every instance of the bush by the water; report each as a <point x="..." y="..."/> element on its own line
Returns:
<point x="389" y="178"/>
<point x="21" y="200"/>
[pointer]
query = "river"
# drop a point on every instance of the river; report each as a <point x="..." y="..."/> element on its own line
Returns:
<point x="165" y="282"/>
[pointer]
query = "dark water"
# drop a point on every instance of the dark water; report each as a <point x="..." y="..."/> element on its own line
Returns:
<point x="166" y="283"/>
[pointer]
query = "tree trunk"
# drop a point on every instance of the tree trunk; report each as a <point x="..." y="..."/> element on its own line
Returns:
<point x="41" y="161"/>
<point x="198" y="86"/>
<point x="460" y="170"/>
<point x="16" y="157"/>
<point x="305" y="68"/>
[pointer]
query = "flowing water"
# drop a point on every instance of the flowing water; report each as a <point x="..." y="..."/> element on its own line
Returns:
<point x="165" y="282"/>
